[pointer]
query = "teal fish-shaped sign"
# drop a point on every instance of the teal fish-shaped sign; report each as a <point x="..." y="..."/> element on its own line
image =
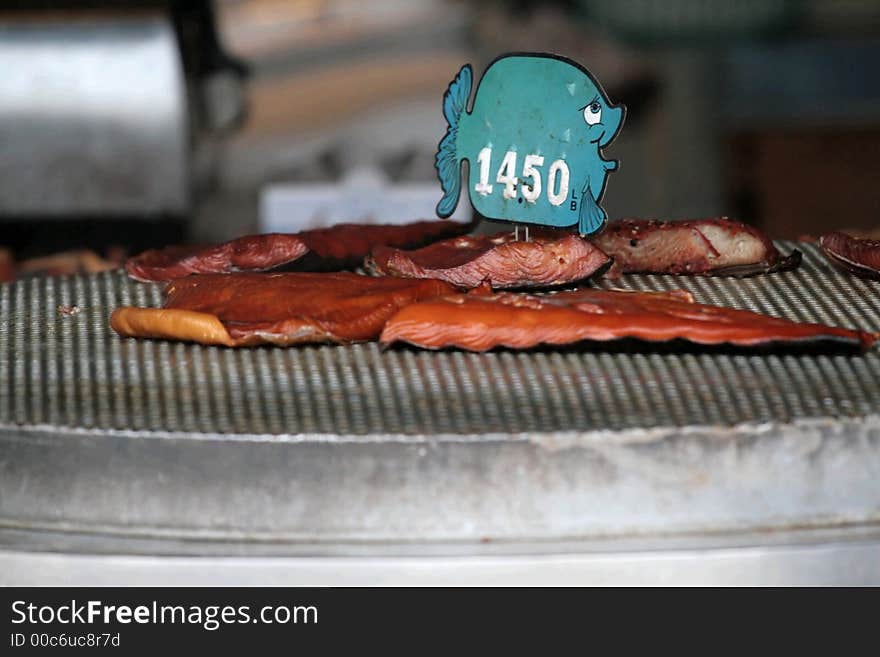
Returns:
<point x="533" y="141"/>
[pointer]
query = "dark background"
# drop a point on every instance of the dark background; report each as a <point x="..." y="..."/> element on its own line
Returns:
<point x="764" y="111"/>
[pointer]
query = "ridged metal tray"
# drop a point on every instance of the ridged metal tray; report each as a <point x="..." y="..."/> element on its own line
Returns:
<point x="147" y="439"/>
<point x="73" y="371"/>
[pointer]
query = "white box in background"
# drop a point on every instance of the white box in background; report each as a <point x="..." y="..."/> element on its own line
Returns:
<point x="363" y="197"/>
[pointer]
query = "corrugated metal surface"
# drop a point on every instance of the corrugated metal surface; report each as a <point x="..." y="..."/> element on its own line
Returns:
<point x="72" y="370"/>
<point x="143" y="447"/>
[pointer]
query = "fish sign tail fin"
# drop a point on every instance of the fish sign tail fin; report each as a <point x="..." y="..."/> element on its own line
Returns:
<point x="591" y="217"/>
<point x="447" y="160"/>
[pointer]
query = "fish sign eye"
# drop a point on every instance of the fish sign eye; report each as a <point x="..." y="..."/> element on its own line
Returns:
<point x="533" y="141"/>
<point x="593" y="113"/>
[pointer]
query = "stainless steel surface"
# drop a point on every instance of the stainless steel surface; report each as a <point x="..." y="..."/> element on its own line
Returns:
<point x="156" y="448"/>
<point x="93" y="116"/>
<point x="855" y="563"/>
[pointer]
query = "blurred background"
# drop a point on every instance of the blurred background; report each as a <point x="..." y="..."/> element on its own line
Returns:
<point x="137" y="124"/>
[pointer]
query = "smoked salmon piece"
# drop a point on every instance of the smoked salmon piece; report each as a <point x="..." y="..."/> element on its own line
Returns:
<point x="478" y="322"/>
<point x="548" y="258"/>
<point x="710" y="247"/>
<point x="337" y="247"/>
<point x="240" y="310"/>
<point x="859" y="256"/>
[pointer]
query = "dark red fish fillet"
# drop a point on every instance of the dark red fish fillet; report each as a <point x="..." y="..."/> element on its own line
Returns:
<point x="713" y="247"/>
<point x="478" y="322"/>
<point x="289" y="308"/>
<point x="859" y="256"/>
<point x="7" y="266"/>
<point x="337" y="247"/>
<point x="550" y="258"/>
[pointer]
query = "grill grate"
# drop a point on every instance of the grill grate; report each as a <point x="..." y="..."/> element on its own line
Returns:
<point x="72" y="370"/>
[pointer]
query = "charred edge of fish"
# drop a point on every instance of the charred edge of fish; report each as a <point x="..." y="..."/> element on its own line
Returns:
<point x="787" y="263"/>
<point x="806" y="346"/>
<point x="846" y="264"/>
<point x="554" y="288"/>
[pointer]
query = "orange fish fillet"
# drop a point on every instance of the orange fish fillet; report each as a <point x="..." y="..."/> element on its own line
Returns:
<point x="237" y="310"/>
<point x="478" y="322"/>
